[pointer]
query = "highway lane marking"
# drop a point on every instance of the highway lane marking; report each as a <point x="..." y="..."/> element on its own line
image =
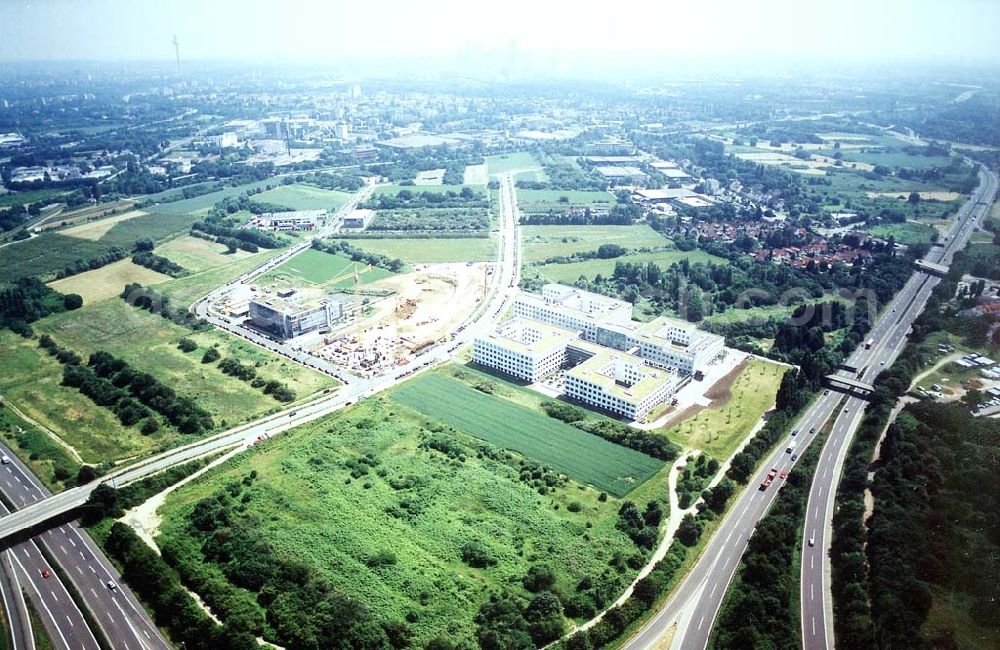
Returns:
<point x="811" y="595"/>
<point x="821" y="490"/>
<point x="45" y="605"/>
<point x="62" y="548"/>
<point x="78" y="569"/>
<point x="92" y="570"/>
<point x="54" y="595"/>
<point x="814" y="625"/>
<point x="70" y="621"/>
<point x="701" y="622"/>
<point x="71" y="541"/>
<point x="812" y="561"/>
<point x="714" y="587"/>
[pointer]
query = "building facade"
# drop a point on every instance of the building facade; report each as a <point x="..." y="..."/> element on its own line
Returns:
<point x="523" y="349"/>
<point x="289" y="320"/>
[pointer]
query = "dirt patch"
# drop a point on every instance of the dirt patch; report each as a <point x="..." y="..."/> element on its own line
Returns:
<point x="94" y="230"/>
<point x="107" y="281"/>
<point x="722" y="390"/>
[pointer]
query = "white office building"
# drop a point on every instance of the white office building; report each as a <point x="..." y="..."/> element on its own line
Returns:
<point x="527" y="350"/>
<point x="573" y="309"/>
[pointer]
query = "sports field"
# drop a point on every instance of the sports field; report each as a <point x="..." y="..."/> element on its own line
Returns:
<point x="543" y="242"/>
<point x="583" y="457"/>
<point x="422" y="251"/>
<point x="107" y="281"/>
<point x="317" y="267"/>
<point x="304" y="197"/>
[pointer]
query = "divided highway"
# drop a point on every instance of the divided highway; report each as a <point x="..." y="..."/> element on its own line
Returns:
<point x="695" y="602"/>
<point x="815" y="595"/>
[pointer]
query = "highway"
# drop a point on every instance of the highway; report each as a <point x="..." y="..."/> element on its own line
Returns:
<point x="502" y="289"/>
<point x="695" y="602"/>
<point x="121" y="618"/>
<point x="815" y="594"/>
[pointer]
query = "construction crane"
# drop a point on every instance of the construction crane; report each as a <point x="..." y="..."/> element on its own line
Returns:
<point x="355" y="274"/>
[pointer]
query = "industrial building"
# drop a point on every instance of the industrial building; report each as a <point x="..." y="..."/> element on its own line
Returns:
<point x="288" y="319"/>
<point x="299" y="220"/>
<point x="623" y="175"/>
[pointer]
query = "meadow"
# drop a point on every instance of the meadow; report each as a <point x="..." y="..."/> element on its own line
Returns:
<point x="544" y="200"/>
<point x="107" y="281"/>
<point x="196" y="254"/>
<point x="583" y="457"/>
<point x="350" y="526"/>
<point x="522" y="164"/>
<point x="304" y="197"/>
<point x="543" y="242"/>
<point x="570" y="273"/>
<point x="905" y="233"/>
<point x="27" y="197"/>
<point x="738" y="402"/>
<point x="200" y="203"/>
<point x="421" y="251"/>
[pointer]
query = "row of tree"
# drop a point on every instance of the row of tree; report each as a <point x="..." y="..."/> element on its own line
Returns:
<point x="341" y="247"/>
<point x="29" y="299"/>
<point x="79" y="266"/>
<point x="155" y="302"/>
<point x="158" y="263"/>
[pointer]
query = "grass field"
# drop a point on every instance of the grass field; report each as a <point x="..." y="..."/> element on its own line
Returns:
<point x="196" y="254"/>
<point x="94" y="230"/>
<point x="543" y="242"/>
<point x="569" y="273"/>
<point x="476" y="175"/>
<point x="544" y="200"/>
<point x="49" y="460"/>
<point x="28" y="197"/>
<point x="395" y="189"/>
<point x="522" y="164"/>
<point x="31" y="380"/>
<point x="738" y="402"/>
<point x="308" y="507"/>
<point x="421" y="251"/>
<point x="905" y="233"/>
<point x="203" y="202"/>
<point x="107" y="281"/>
<point x="304" y="197"/>
<point x="149" y="343"/>
<point x="186" y="290"/>
<point x="581" y="456"/>
<point x="317" y="267"/>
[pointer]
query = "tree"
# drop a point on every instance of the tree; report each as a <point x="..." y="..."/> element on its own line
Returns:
<point x="913" y="198"/>
<point x="72" y="301"/>
<point x="211" y="354"/>
<point x="187" y="345"/>
<point x="539" y="578"/>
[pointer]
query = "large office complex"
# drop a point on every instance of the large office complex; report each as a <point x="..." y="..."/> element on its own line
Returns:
<point x="614" y="364"/>
<point x="288" y="319"/>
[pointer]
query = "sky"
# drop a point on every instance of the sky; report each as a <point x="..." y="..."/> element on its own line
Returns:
<point x="558" y="32"/>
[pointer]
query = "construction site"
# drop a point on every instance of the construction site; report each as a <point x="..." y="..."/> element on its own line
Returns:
<point x="367" y="328"/>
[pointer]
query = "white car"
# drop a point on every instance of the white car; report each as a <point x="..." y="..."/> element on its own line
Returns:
<point x="5" y="459"/>
<point x="112" y="585"/>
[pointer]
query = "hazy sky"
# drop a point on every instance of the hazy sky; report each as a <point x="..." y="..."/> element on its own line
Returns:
<point x="318" y="31"/>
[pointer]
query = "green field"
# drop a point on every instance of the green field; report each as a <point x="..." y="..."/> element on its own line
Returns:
<point x="522" y="164"/>
<point x="570" y="273"/>
<point x="543" y="242"/>
<point x="27" y="197"/>
<point x="583" y="457"/>
<point x="317" y="267"/>
<point x="422" y="251"/>
<point x="186" y="290"/>
<point x="544" y="200"/>
<point x="49" y="460"/>
<point x="50" y="252"/>
<point x="202" y="202"/>
<point x="905" y="233"/>
<point x="395" y="189"/>
<point x="738" y="402"/>
<point x="149" y="343"/>
<point x="305" y="505"/>
<point x="304" y="197"/>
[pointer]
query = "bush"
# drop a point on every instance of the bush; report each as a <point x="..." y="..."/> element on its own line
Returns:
<point x="72" y="301"/>
<point x="187" y="345"/>
<point x="210" y="355"/>
<point x="477" y="555"/>
<point x="539" y="578"/>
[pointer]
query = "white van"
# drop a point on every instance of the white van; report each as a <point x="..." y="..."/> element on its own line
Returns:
<point x="791" y="446"/>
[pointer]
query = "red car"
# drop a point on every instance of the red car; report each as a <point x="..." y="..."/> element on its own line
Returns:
<point x="783" y="475"/>
<point x="45" y="573"/>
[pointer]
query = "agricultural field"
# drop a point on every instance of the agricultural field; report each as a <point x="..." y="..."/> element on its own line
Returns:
<point x="571" y="272"/>
<point x="905" y="233"/>
<point x="738" y="401"/>
<point x="390" y="530"/>
<point x="203" y="202"/>
<point x="95" y="230"/>
<point x="107" y="281"/>
<point x="149" y="343"/>
<point x="304" y="197"/>
<point x="545" y="200"/>
<point x="543" y="242"/>
<point x="196" y="254"/>
<point x="186" y="290"/>
<point x="583" y="457"/>
<point x="319" y="268"/>
<point x="44" y="255"/>
<point x="522" y="164"/>
<point x="422" y="251"/>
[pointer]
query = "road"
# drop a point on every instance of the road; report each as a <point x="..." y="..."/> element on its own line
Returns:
<point x="503" y="288"/>
<point x="815" y="594"/>
<point x="121" y="618"/>
<point x="695" y="602"/>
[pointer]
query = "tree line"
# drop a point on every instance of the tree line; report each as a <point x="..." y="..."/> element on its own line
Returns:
<point x="29" y="299"/>
<point x="341" y="247"/>
<point x="157" y="263"/>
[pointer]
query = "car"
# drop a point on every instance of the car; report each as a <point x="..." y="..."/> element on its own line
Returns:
<point x="5" y="459"/>
<point x="812" y="541"/>
<point x="46" y="573"/>
<point x="112" y="585"/>
<point x="293" y="413"/>
<point x="826" y="392"/>
<point x="795" y="432"/>
<point x="795" y="457"/>
<point x="783" y="475"/>
<point x="812" y="430"/>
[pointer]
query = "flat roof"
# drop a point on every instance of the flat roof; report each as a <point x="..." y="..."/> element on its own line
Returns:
<point x="664" y="195"/>
<point x="674" y="173"/>
<point x="620" y="171"/>
<point x="511" y="334"/>
<point x="593" y="371"/>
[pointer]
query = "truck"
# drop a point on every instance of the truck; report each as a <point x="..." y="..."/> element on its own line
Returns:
<point x="869" y="343"/>
<point x="767" y="479"/>
<point x="790" y="447"/>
